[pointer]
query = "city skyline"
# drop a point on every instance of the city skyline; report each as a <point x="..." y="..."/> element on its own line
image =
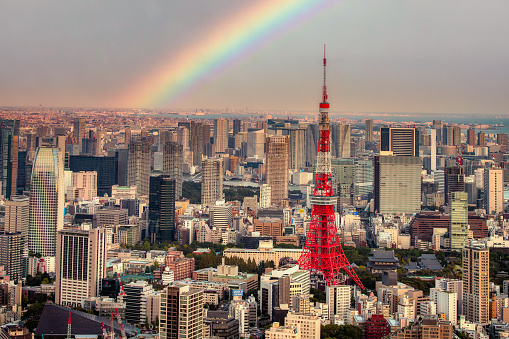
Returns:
<point x="384" y="56"/>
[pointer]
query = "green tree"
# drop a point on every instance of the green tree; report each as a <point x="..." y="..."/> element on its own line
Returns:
<point x="341" y="331"/>
<point x="146" y="245"/>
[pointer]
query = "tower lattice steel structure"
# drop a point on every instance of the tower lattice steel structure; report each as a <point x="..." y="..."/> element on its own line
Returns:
<point x="323" y="252"/>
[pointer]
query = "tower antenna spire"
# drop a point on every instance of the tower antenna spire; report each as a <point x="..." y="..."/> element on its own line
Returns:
<point x="324" y="88"/>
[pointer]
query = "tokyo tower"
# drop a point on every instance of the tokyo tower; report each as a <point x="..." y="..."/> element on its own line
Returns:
<point x="323" y="252"/>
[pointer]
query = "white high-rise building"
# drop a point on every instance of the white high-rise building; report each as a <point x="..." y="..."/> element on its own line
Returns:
<point x="338" y="300"/>
<point x="452" y="285"/>
<point x="494" y="190"/>
<point x="265" y="194"/>
<point x="81" y="265"/>
<point x="47" y="199"/>
<point x="447" y="303"/>
<point x="256" y="143"/>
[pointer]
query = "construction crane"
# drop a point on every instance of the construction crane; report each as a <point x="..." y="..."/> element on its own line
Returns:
<point x="120" y="324"/>
<point x="69" y="326"/>
<point x="105" y="334"/>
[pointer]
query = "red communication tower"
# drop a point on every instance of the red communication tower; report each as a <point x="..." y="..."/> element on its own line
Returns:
<point x="323" y="252"/>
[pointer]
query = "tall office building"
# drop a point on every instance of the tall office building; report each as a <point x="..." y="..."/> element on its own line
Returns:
<point x="9" y="142"/>
<point x="454" y="181"/>
<point x="221" y="132"/>
<point x="343" y="150"/>
<point x="16" y="216"/>
<point x="343" y="182"/>
<point x="111" y="170"/>
<point x="173" y="159"/>
<point x="502" y="139"/>
<point x="481" y="140"/>
<point x="183" y="137"/>
<point x="471" y="136"/>
<point x="47" y="199"/>
<point x="451" y="135"/>
<point x="138" y="169"/>
<point x="135" y="298"/>
<point x="476" y="276"/>
<point x="212" y="181"/>
<point x="256" y="143"/>
<point x="363" y="177"/>
<point x="437" y="126"/>
<point x="297" y="149"/>
<point x="277" y="168"/>
<point x="369" y="130"/>
<point x="127" y="135"/>
<point x="237" y="126"/>
<point x="311" y="144"/>
<point x="79" y="130"/>
<point x="162" y="208"/>
<point x="400" y="141"/>
<point x="81" y="265"/>
<point x="493" y="198"/>
<point x="459" y="221"/>
<point x="181" y="313"/>
<point x="200" y="137"/>
<point x="397" y="184"/>
<point x="11" y="254"/>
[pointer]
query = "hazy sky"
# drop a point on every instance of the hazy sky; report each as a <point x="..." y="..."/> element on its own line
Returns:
<point x="394" y="56"/>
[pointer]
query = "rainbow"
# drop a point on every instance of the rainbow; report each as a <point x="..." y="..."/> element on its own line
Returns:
<point x="226" y="45"/>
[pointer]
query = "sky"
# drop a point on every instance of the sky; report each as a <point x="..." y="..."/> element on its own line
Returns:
<point x="382" y="56"/>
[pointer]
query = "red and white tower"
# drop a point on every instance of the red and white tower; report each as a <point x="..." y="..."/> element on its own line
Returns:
<point x="323" y="252"/>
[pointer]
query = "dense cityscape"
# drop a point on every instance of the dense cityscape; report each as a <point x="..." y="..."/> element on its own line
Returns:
<point x="198" y="170"/>
<point x="128" y="223"/>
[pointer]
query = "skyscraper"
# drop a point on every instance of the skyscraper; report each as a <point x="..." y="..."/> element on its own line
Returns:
<point x="437" y="126"/>
<point x="200" y="136"/>
<point x="493" y="198"/>
<point x="162" y="208"/>
<point x="476" y="275"/>
<point x="337" y="298"/>
<point x="454" y="180"/>
<point x="471" y="136"/>
<point x="277" y="168"/>
<point x="47" y="199"/>
<point x="400" y="141"/>
<point x="369" y="130"/>
<point x="311" y="144"/>
<point x="11" y="253"/>
<point x="9" y="142"/>
<point x="79" y="130"/>
<point x="344" y="141"/>
<point x="297" y="149"/>
<point x="173" y="158"/>
<point x="256" y="143"/>
<point x="237" y="126"/>
<point x="16" y="216"/>
<point x="481" y="141"/>
<point x="459" y="221"/>
<point x="343" y="182"/>
<point x="81" y="265"/>
<point x="397" y="184"/>
<point x="221" y="131"/>
<point x="181" y="312"/>
<point x="212" y="181"/>
<point x="138" y="170"/>
<point x="127" y="135"/>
